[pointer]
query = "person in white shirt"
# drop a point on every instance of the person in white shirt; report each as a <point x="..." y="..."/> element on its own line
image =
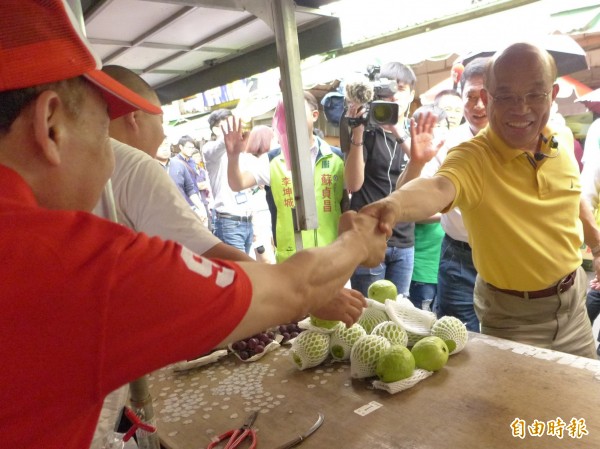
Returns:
<point x="233" y="210"/>
<point x="146" y="198"/>
<point x="457" y="273"/>
<point x="590" y="193"/>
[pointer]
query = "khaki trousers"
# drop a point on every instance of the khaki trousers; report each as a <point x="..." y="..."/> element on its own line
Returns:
<point x="558" y="322"/>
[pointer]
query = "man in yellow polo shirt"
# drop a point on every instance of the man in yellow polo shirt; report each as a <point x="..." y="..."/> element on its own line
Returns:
<point x="517" y="185"/>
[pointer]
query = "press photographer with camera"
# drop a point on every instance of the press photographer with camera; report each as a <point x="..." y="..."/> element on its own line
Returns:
<point x="375" y="140"/>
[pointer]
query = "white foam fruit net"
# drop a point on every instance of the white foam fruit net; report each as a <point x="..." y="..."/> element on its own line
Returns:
<point x="310" y="349"/>
<point x="412" y="319"/>
<point x="451" y="328"/>
<point x="365" y="354"/>
<point x="342" y="340"/>
<point x="375" y="304"/>
<point x="371" y="317"/>
<point x="392" y="331"/>
<point x="413" y="338"/>
<point x="404" y="384"/>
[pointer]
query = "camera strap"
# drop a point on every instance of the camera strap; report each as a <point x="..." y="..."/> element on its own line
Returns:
<point x="369" y="139"/>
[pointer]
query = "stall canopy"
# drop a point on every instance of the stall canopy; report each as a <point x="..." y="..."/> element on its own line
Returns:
<point x="182" y="47"/>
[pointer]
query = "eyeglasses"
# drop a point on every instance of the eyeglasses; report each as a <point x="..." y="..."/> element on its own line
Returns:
<point x="530" y="99"/>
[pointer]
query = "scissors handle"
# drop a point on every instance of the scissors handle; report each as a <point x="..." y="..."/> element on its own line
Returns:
<point x="234" y="443"/>
<point x="231" y="435"/>
<point x="235" y="436"/>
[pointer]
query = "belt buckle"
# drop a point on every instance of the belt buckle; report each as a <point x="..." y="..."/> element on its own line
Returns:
<point x="562" y="285"/>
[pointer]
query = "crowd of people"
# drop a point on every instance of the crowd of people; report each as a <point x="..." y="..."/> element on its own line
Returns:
<point x="432" y="260"/>
<point x="479" y="217"/>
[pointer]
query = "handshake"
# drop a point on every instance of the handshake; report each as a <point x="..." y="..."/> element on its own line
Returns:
<point x="366" y="231"/>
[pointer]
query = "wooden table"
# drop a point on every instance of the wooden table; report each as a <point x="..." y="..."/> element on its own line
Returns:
<point x="470" y="404"/>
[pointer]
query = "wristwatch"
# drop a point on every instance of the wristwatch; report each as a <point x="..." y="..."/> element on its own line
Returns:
<point x="402" y="139"/>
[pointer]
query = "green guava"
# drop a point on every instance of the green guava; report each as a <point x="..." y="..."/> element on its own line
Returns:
<point x="430" y="353"/>
<point x="326" y="324"/>
<point x="396" y="363"/>
<point x="381" y="290"/>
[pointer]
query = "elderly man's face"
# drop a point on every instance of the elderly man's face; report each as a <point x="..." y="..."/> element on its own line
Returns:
<point x="88" y="161"/>
<point x="151" y="132"/>
<point x="518" y="99"/>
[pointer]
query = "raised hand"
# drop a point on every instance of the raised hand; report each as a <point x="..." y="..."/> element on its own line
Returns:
<point x="423" y="145"/>
<point x="232" y="136"/>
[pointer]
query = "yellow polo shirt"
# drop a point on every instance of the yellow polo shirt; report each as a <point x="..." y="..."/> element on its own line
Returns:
<point x="522" y="215"/>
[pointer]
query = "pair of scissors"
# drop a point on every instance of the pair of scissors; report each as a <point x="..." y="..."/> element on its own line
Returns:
<point x="236" y="436"/>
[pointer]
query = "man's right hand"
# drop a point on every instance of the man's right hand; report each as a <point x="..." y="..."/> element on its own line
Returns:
<point x="385" y="211"/>
<point x="365" y="231"/>
<point x="234" y="142"/>
<point x="423" y="146"/>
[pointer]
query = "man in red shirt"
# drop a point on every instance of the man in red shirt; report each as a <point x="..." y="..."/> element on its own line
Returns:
<point x="71" y="282"/>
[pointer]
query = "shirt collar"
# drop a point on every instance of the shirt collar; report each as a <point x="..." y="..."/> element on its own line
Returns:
<point x="505" y="152"/>
<point x="14" y="189"/>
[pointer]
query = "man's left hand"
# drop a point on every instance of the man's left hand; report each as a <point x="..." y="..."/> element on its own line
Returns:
<point x="347" y="306"/>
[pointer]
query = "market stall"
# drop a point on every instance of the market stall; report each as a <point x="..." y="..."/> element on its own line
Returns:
<point x="495" y="394"/>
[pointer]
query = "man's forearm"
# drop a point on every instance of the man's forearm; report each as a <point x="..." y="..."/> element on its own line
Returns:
<point x="591" y="234"/>
<point x="354" y="168"/>
<point x="411" y="171"/>
<point x="224" y="251"/>
<point x="421" y="198"/>
<point x="195" y="198"/>
<point x="311" y="278"/>
<point x="235" y="176"/>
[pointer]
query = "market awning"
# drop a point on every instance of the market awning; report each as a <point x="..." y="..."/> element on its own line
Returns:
<point x="182" y="47"/>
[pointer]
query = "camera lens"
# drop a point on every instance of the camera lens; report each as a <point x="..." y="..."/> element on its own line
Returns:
<point x="382" y="113"/>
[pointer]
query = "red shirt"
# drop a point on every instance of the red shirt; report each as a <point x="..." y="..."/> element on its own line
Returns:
<point x="87" y="306"/>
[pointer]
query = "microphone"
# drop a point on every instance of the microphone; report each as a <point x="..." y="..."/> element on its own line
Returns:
<point x="359" y="92"/>
<point x="552" y="143"/>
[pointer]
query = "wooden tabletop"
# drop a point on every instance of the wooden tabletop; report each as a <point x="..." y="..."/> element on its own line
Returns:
<point x="469" y="404"/>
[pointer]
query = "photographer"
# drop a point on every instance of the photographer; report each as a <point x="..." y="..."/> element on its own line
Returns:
<point x="375" y="157"/>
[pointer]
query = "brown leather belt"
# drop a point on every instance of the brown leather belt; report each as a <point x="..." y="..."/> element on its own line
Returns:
<point x="565" y="284"/>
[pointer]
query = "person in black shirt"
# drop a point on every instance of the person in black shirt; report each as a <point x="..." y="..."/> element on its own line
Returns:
<point x="375" y="158"/>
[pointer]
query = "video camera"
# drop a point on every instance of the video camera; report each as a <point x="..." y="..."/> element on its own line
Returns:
<point x="377" y="111"/>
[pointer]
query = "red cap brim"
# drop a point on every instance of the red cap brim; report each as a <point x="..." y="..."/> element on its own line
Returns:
<point x="119" y="98"/>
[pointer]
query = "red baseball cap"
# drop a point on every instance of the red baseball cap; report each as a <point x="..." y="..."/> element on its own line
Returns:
<point x="41" y="42"/>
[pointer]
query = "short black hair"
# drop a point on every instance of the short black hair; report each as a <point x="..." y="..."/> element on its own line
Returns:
<point x="476" y="68"/>
<point x="15" y="101"/>
<point x="439" y="113"/>
<point x="187" y="139"/>
<point x="444" y="93"/>
<point x="218" y="116"/>
<point x="311" y="101"/>
<point x="399" y="72"/>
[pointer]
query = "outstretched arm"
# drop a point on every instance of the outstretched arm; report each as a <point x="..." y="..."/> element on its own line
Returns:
<point x="415" y="201"/>
<point x="309" y="280"/>
<point x="234" y="144"/>
<point x="224" y="251"/>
